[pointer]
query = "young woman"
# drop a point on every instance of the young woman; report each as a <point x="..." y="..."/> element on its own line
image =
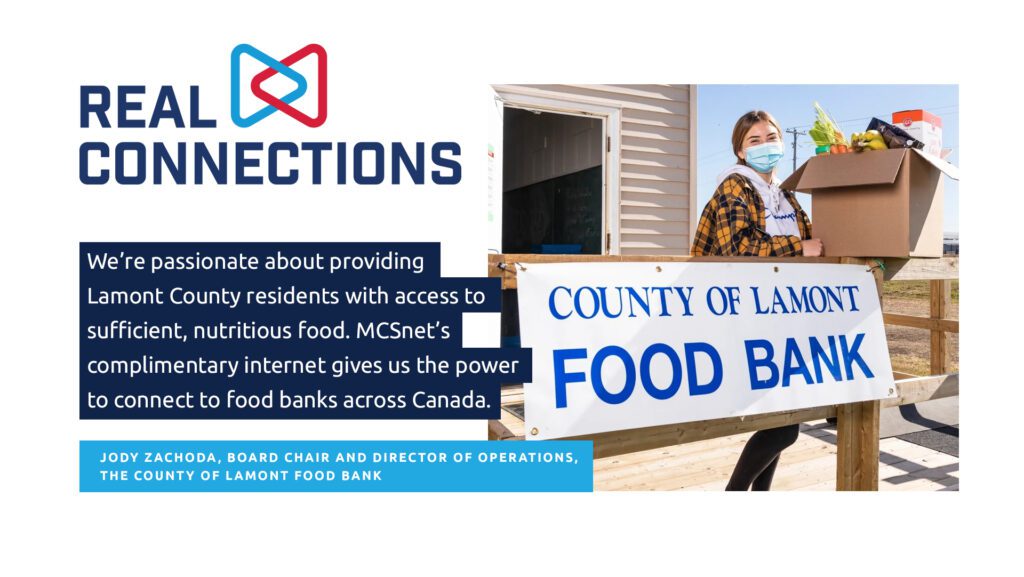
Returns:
<point x="749" y="215"/>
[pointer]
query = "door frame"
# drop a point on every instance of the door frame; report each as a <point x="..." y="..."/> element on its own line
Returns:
<point x="545" y="101"/>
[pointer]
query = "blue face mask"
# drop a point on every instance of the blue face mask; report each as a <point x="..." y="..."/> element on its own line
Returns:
<point x="764" y="157"/>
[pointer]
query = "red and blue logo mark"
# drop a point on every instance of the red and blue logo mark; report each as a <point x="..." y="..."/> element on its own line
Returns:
<point x="284" y="103"/>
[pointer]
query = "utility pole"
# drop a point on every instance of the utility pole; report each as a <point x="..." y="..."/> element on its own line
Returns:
<point x="795" y="132"/>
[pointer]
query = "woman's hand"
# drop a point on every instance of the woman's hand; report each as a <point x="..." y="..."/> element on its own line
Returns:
<point x="813" y="247"/>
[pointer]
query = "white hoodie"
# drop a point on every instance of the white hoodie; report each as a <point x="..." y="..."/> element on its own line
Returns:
<point x="779" y="215"/>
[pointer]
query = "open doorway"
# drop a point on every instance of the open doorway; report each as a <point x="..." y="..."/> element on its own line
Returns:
<point x="553" y="197"/>
<point x="552" y="183"/>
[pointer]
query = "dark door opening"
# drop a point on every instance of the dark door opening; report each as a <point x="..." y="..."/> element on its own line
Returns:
<point x="552" y="187"/>
<point x="552" y="191"/>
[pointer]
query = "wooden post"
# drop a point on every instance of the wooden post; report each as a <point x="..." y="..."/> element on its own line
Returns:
<point x="857" y="429"/>
<point x="857" y="459"/>
<point x="941" y="297"/>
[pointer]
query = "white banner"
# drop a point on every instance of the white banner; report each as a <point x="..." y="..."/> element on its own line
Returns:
<point x="627" y="345"/>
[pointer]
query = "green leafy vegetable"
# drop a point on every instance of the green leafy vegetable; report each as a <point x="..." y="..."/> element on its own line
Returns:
<point x="825" y="131"/>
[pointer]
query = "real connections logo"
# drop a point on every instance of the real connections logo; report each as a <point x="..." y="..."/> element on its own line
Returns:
<point x="284" y="103"/>
<point x="114" y="152"/>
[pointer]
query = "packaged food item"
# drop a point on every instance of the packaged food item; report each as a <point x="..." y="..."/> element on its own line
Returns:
<point x="923" y="126"/>
<point x="894" y="136"/>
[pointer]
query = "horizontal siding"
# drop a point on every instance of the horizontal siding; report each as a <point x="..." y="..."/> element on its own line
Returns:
<point x="659" y="119"/>
<point x="649" y="213"/>
<point x="635" y="227"/>
<point x="665" y="240"/>
<point x="654" y="173"/>
<point x="654" y="186"/>
<point x="598" y="92"/>
<point x="646" y="131"/>
<point x="638" y="158"/>
<point x="653" y="200"/>
<point x="654" y="168"/>
<point x="643" y="144"/>
<point x="656" y="91"/>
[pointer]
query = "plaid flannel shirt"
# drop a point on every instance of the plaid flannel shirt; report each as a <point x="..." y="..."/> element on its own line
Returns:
<point x="732" y="224"/>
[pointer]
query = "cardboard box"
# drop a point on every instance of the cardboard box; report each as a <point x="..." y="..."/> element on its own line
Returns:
<point x="922" y="125"/>
<point x="879" y="203"/>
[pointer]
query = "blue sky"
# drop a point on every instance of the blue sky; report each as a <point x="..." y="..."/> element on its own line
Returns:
<point x="851" y="105"/>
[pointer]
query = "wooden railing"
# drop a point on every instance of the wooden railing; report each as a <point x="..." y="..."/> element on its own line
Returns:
<point x="857" y="428"/>
<point x="940" y="274"/>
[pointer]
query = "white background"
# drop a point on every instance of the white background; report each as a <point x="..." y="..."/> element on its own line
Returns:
<point x="412" y="72"/>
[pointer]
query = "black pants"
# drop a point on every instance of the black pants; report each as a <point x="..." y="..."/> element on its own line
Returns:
<point x="760" y="456"/>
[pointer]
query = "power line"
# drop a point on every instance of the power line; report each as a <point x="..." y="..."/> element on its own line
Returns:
<point x="930" y="108"/>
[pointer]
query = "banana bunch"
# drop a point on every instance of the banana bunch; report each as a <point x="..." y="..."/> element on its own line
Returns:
<point x="870" y="140"/>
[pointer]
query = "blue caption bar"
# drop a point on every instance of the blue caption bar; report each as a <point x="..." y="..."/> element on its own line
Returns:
<point x="335" y="466"/>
